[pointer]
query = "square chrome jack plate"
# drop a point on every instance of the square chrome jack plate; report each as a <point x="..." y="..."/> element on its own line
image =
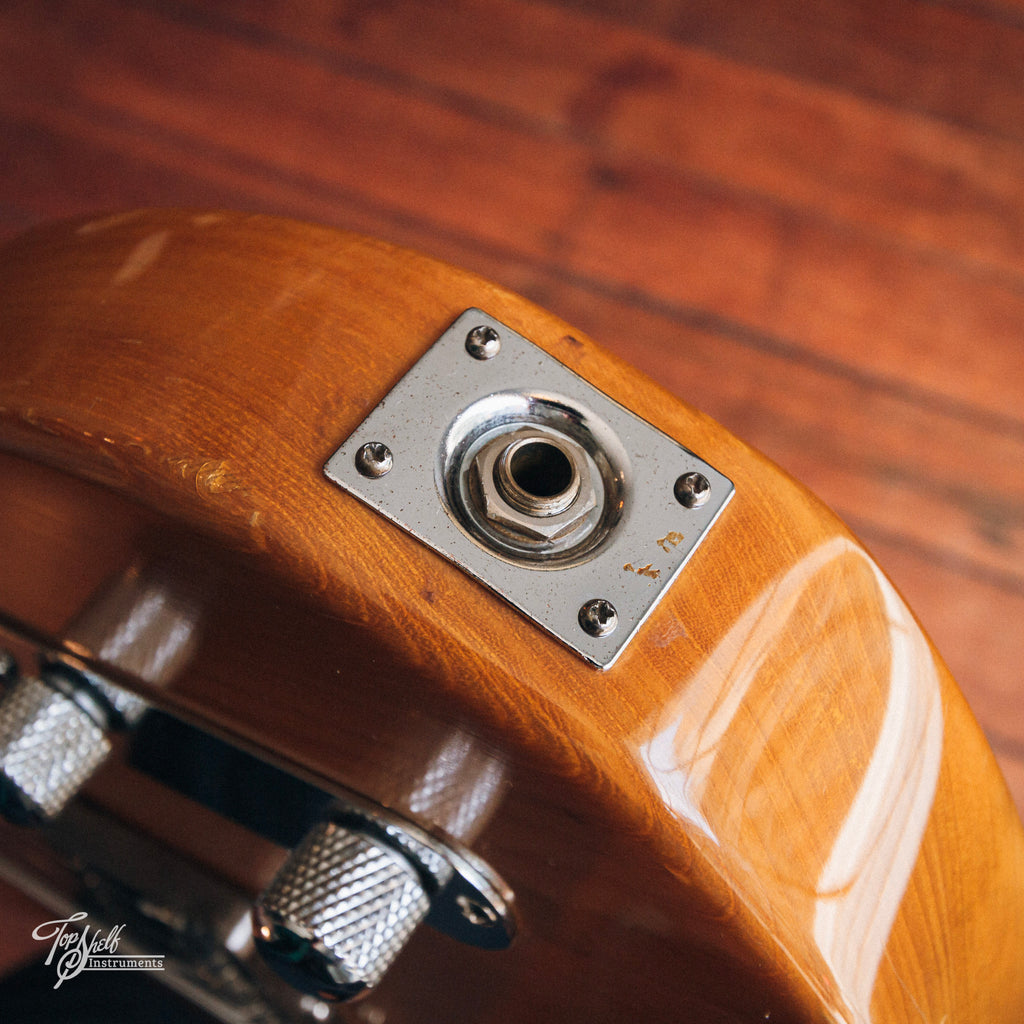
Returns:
<point x="567" y="505"/>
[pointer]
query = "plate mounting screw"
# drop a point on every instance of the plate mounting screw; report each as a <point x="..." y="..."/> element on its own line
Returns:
<point x="692" y="490"/>
<point x="483" y="342"/>
<point x="598" y="617"/>
<point x="374" y="459"/>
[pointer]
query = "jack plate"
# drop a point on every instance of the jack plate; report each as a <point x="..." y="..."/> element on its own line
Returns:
<point x="567" y="505"/>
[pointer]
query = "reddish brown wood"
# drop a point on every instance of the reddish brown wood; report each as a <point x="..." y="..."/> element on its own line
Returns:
<point x="954" y="61"/>
<point x="623" y="90"/>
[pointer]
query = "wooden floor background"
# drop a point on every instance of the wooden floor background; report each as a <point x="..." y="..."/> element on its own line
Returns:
<point x="805" y="218"/>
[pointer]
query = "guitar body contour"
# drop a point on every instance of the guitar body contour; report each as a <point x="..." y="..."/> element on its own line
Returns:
<point x="774" y="806"/>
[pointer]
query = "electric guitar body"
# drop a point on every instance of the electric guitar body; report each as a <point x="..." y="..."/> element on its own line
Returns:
<point x="680" y="742"/>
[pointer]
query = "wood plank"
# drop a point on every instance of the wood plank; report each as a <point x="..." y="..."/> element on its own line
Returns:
<point x="101" y="167"/>
<point x="625" y="90"/>
<point x="945" y="60"/>
<point x="984" y="526"/>
<point x="1010" y="12"/>
<point x="982" y="653"/>
<point x="14" y="220"/>
<point x="63" y="169"/>
<point x="299" y="119"/>
<point x="892" y="313"/>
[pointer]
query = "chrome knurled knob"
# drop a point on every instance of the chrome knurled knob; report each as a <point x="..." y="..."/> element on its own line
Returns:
<point x="54" y="734"/>
<point x="49" y="746"/>
<point x="339" y="911"/>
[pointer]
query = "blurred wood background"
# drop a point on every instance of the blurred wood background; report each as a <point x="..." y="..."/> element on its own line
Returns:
<point x="806" y="219"/>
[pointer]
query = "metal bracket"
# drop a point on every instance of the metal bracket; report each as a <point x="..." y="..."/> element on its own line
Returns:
<point x="648" y="503"/>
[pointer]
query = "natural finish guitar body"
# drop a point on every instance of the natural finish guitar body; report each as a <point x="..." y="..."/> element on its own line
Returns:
<point x="775" y="806"/>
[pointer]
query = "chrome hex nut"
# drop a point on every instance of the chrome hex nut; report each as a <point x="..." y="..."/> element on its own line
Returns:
<point x="536" y="485"/>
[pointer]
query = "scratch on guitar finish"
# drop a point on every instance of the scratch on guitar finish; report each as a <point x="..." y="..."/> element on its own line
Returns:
<point x="644" y="570"/>
<point x="212" y="476"/>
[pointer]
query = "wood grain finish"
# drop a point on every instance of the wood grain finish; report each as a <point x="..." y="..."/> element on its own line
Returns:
<point x="775" y="806"/>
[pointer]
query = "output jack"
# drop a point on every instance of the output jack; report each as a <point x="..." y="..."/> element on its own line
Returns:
<point x="534" y="478"/>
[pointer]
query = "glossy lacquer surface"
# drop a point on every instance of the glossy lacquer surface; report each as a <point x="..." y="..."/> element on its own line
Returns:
<point x="775" y="806"/>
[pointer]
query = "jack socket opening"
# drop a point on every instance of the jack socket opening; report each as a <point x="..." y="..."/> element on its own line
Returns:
<point x="538" y="475"/>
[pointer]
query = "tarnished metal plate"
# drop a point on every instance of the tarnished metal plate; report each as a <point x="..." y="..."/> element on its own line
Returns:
<point x="420" y="422"/>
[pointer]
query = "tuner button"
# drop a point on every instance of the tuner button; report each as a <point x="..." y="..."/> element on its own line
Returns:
<point x="338" y="912"/>
<point x="49" y="746"/>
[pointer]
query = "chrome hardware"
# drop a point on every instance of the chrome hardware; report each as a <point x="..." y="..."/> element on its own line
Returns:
<point x="350" y="896"/>
<point x="598" y="617"/>
<point x="374" y="460"/>
<point x="692" y="490"/>
<point x="205" y="928"/>
<point x="49" y="746"/>
<point x="339" y="912"/>
<point x="53" y="736"/>
<point x="537" y="475"/>
<point x="534" y="482"/>
<point x="168" y="906"/>
<point x="483" y="342"/>
<point x="537" y="488"/>
<point x="535" y="516"/>
<point x="54" y="729"/>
